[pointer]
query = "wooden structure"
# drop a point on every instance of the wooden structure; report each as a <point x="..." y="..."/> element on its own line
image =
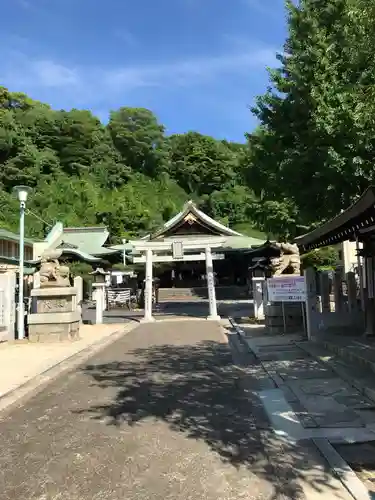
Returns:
<point x="189" y="237"/>
<point x="356" y="223"/>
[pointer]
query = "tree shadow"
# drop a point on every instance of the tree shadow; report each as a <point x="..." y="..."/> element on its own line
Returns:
<point x="198" y="391"/>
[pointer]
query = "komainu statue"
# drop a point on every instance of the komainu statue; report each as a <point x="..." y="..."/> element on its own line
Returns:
<point x="289" y="259"/>
<point x="51" y="272"/>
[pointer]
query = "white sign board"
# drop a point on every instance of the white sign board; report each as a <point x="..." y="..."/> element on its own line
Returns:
<point x="287" y="289"/>
<point x="177" y="250"/>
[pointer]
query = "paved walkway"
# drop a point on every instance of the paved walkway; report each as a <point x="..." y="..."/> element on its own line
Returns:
<point x="21" y="362"/>
<point x="313" y="401"/>
<point x="163" y="413"/>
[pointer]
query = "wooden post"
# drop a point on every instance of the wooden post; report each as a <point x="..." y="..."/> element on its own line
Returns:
<point x="352" y="292"/>
<point x="311" y="313"/>
<point x="324" y="291"/>
<point x="337" y="290"/>
<point x="369" y="295"/>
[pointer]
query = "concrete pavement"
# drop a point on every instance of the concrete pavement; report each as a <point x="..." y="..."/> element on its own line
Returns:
<point x="25" y="366"/>
<point x="163" y="413"/>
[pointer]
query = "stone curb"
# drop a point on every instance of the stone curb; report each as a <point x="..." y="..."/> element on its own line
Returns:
<point x="342" y="470"/>
<point x="241" y="335"/>
<point x="337" y="464"/>
<point x="21" y="394"/>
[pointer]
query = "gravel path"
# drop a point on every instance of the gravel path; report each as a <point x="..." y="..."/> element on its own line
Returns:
<point x="161" y="414"/>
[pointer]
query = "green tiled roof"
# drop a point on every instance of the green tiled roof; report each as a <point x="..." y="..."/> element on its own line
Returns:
<point x="9" y="236"/>
<point x="89" y="240"/>
<point x="242" y="242"/>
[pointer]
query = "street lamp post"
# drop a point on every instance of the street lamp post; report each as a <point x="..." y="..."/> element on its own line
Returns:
<point x="123" y="253"/>
<point x="21" y="192"/>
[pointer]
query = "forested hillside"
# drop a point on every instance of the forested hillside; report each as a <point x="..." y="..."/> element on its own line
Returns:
<point x="127" y="174"/>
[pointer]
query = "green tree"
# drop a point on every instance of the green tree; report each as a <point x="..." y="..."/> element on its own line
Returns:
<point x="316" y="142"/>
<point x="139" y="138"/>
<point x="200" y="164"/>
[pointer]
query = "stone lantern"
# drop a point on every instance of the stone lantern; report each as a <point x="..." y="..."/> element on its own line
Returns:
<point x="99" y="276"/>
<point x="99" y="292"/>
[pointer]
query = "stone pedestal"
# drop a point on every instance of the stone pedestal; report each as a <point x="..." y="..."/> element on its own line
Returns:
<point x="287" y="317"/>
<point x="54" y="317"/>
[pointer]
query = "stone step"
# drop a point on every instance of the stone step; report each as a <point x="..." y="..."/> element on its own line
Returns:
<point x="199" y="293"/>
<point x="360" y="375"/>
<point x="352" y="351"/>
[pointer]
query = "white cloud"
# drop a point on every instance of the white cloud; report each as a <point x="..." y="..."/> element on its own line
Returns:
<point x="189" y="71"/>
<point x="90" y="84"/>
<point x="50" y="74"/>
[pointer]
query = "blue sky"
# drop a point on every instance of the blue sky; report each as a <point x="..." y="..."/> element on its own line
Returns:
<point x="198" y="64"/>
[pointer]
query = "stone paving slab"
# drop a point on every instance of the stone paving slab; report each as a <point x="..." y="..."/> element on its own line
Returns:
<point x="318" y="397"/>
<point x="298" y="369"/>
<point x="282" y="355"/>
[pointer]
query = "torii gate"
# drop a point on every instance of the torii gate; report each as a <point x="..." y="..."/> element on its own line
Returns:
<point x="176" y="252"/>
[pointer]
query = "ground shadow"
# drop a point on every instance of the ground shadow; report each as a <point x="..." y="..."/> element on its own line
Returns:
<point x="197" y="390"/>
<point x="193" y="309"/>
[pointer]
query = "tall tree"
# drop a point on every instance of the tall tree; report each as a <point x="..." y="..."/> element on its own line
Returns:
<point x="139" y="139"/>
<point x="200" y="164"/>
<point x="315" y="145"/>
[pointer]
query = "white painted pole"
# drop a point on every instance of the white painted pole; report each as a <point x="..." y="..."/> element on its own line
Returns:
<point x="211" y="285"/>
<point x="258" y="286"/>
<point x="148" y="287"/>
<point x="22" y="193"/>
<point x="123" y="253"/>
<point x="21" y="306"/>
<point x="99" y="304"/>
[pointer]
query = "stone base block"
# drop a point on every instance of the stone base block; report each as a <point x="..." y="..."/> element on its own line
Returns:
<point x="56" y="327"/>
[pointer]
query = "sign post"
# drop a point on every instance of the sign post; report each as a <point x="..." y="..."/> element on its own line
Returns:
<point x="288" y="289"/>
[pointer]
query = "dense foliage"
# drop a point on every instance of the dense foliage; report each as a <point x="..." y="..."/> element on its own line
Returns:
<point x="127" y="174"/>
<point x="314" y="150"/>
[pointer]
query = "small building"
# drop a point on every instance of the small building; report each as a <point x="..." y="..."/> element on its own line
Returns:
<point x="78" y="244"/>
<point x="355" y="224"/>
<point x="192" y="226"/>
<point x="10" y="251"/>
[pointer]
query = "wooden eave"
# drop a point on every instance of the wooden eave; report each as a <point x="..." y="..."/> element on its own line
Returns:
<point x="344" y="226"/>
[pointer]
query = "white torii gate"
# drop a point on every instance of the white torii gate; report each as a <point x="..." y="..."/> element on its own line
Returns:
<point x="177" y="246"/>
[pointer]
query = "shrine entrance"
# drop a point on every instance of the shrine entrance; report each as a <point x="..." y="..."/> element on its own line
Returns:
<point x="175" y="252"/>
<point x="190" y="243"/>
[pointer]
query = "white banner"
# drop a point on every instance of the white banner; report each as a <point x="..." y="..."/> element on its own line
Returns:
<point x="287" y="289"/>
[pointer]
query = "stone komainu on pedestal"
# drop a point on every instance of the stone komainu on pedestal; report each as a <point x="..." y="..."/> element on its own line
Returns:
<point x="289" y="259"/>
<point x="287" y="317"/>
<point x="51" y="272"/>
<point x="54" y="316"/>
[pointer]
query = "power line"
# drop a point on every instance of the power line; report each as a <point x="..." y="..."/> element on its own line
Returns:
<point x="28" y="211"/>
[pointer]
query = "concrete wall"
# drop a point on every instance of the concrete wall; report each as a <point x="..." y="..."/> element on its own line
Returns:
<point x="344" y="316"/>
<point x="348" y="254"/>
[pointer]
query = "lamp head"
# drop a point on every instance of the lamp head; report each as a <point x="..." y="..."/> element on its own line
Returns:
<point x="21" y="192"/>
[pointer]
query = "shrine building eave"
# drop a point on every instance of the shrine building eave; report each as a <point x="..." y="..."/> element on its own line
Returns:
<point x="199" y="222"/>
<point x="347" y="225"/>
